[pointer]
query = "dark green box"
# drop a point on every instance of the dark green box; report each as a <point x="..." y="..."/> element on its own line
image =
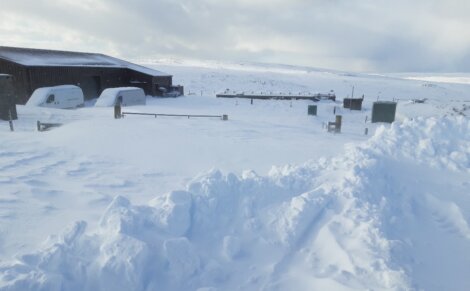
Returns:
<point x="353" y="104"/>
<point x="384" y="111"/>
<point x="312" y="110"/>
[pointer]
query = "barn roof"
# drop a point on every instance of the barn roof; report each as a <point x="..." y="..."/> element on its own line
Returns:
<point x="39" y="57"/>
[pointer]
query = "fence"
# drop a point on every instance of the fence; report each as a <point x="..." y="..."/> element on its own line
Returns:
<point x="223" y="117"/>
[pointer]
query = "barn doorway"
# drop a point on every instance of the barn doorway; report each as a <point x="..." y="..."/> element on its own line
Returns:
<point x="91" y="87"/>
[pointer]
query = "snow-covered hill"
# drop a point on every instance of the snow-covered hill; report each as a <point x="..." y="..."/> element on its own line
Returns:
<point x="267" y="200"/>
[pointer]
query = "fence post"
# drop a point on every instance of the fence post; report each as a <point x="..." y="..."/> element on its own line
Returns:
<point x="338" y="123"/>
<point x="117" y="111"/>
<point x="10" y="121"/>
<point x="225" y="117"/>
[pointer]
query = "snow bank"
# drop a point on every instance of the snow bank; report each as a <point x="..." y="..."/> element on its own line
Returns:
<point x="389" y="214"/>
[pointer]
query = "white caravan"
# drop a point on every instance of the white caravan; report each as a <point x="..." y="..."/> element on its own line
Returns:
<point x="63" y="97"/>
<point x="126" y="96"/>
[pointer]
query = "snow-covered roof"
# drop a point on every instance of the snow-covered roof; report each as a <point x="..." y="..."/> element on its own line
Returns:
<point x="40" y="57"/>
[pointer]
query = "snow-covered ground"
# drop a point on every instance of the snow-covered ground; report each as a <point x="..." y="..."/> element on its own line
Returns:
<point x="267" y="200"/>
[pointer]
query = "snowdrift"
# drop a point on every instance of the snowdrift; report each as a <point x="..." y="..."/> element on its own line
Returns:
<point x="389" y="214"/>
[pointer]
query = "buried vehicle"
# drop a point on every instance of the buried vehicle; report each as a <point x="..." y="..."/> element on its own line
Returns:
<point x="62" y="97"/>
<point x="124" y="96"/>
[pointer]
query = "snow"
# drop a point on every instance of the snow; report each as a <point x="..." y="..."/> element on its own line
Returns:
<point x="442" y="78"/>
<point x="39" y="57"/>
<point x="267" y="200"/>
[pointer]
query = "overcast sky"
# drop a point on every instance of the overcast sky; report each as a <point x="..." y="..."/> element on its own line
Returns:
<point x="358" y="35"/>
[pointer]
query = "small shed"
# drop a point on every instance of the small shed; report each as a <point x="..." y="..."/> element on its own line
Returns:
<point x="384" y="111"/>
<point x="353" y="103"/>
<point x="312" y="110"/>
<point x="7" y="98"/>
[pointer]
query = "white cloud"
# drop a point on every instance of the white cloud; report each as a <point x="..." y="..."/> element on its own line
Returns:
<point x="379" y="35"/>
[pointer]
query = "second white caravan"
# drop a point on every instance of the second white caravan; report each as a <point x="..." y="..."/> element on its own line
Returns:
<point x="125" y="96"/>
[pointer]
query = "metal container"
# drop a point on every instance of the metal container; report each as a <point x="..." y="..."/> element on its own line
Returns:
<point x="312" y="110"/>
<point x="384" y="111"/>
<point x="353" y="104"/>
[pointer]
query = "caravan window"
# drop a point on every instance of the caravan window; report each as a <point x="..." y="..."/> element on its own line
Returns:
<point x="50" y="98"/>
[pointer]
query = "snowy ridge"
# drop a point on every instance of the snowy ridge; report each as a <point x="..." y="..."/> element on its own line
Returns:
<point x="355" y="222"/>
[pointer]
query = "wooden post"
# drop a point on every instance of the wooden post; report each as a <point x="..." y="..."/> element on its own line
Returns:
<point x="10" y="121"/>
<point x="251" y="101"/>
<point x="117" y="111"/>
<point x="225" y="117"/>
<point x="366" y="131"/>
<point x="338" y="123"/>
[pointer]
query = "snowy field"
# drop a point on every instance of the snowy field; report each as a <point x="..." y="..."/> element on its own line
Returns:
<point x="267" y="200"/>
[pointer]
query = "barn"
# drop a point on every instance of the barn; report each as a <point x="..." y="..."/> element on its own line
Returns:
<point x="36" y="68"/>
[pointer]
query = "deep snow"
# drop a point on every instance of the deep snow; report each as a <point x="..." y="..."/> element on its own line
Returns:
<point x="350" y="212"/>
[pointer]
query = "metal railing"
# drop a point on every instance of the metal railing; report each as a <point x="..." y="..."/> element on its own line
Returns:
<point x="43" y="126"/>
<point x="223" y="117"/>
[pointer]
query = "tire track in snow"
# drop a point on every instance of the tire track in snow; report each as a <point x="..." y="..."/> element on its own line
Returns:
<point x="316" y="222"/>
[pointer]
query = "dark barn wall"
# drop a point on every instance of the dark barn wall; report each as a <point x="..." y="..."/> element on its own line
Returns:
<point x="7" y="97"/>
<point x="149" y="83"/>
<point x="21" y="79"/>
<point x="161" y="81"/>
<point x="138" y="79"/>
<point x="92" y="80"/>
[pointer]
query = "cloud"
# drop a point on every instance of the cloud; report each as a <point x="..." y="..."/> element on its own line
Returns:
<point x="366" y="35"/>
